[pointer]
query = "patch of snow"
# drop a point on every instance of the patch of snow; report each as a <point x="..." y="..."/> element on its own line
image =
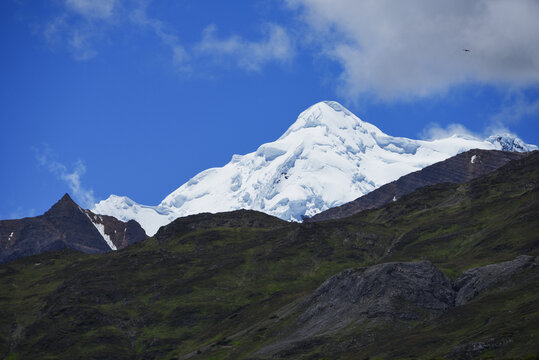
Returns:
<point x="326" y="158"/>
<point x="151" y="218"/>
<point x="394" y="198"/>
<point x="101" y="228"/>
<point x="10" y="237"/>
<point x="472" y="160"/>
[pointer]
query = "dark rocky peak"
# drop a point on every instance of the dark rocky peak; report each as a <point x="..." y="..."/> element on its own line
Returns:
<point x="63" y="207"/>
<point x="65" y="225"/>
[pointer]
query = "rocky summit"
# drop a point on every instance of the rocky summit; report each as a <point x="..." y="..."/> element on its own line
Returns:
<point x="66" y="225"/>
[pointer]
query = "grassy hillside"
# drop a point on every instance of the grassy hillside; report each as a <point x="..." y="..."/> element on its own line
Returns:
<point x="224" y="286"/>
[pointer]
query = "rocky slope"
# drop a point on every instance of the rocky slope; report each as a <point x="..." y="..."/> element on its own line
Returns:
<point x="228" y="286"/>
<point x="394" y="293"/>
<point x="458" y="169"/>
<point x="474" y="281"/>
<point x="389" y="291"/>
<point x="326" y="158"/>
<point x="66" y="225"/>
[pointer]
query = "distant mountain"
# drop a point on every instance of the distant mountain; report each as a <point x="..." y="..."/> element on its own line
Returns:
<point x="328" y="157"/>
<point x="508" y="142"/>
<point x="458" y="169"/>
<point x="66" y="225"/>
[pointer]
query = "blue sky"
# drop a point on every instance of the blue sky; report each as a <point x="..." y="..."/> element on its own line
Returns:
<point x="134" y="97"/>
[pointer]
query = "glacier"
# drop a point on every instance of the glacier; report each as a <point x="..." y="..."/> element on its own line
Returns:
<point x="326" y="158"/>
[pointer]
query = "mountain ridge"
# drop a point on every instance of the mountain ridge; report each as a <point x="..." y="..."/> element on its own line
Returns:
<point x="457" y="169"/>
<point x="326" y="158"/>
<point x="66" y="225"/>
<point x="240" y="285"/>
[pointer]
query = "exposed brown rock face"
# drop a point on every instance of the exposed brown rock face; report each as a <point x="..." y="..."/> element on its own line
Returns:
<point x="64" y="225"/>
<point x="458" y="169"/>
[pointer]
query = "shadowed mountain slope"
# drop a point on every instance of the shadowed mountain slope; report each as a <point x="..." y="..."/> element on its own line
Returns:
<point x="243" y="285"/>
<point x="65" y="225"/>
<point x="457" y="169"/>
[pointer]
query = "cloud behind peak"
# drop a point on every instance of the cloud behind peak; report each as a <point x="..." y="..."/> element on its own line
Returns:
<point x="396" y="49"/>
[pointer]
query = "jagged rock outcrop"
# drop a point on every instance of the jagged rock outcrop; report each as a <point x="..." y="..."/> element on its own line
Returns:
<point x="65" y="225"/>
<point x="458" y="169"/>
<point x="393" y="293"/>
<point x="473" y="281"/>
<point x="388" y="292"/>
<point x="403" y="291"/>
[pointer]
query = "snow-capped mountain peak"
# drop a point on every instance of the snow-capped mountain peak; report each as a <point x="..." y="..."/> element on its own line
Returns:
<point x="509" y="142"/>
<point x="327" y="157"/>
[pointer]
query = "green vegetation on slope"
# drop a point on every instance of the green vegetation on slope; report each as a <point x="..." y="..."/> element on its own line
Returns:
<point x="225" y="285"/>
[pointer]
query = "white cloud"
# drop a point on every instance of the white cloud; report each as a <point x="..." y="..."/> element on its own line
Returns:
<point x="80" y="26"/>
<point x="435" y="131"/>
<point x="180" y="56"/>
<point x="99" y="9"/>
<point x="20" y="213"/>
<point x="72" y="178"/>
<point x="82" y="23"/>
<point x="405" y="49"/>
<point x="77" y="38"/>
<point x="251" y="55"/>
<point x="276" y="45"/>
<point x="516" y="109"/>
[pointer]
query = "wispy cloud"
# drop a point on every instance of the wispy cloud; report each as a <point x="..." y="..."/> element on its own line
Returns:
<point x="516" y="109"/>
<point x="95" y="9"/>
<point x="276" y="45"/>
<point x="407" y="49"/>
<point x="80" y="26"/>
<point x="180" y="56"/>
<point x="20" y="213"/>
<point x="72" y="177"/>
<point x="434" y="131"/>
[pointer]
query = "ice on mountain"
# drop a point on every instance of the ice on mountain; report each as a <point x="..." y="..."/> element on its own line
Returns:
<point x="508" y="142"/>
<point x="324" y="159"/>
<point x="472" y="160"/>
<point x="269" y="153"/>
